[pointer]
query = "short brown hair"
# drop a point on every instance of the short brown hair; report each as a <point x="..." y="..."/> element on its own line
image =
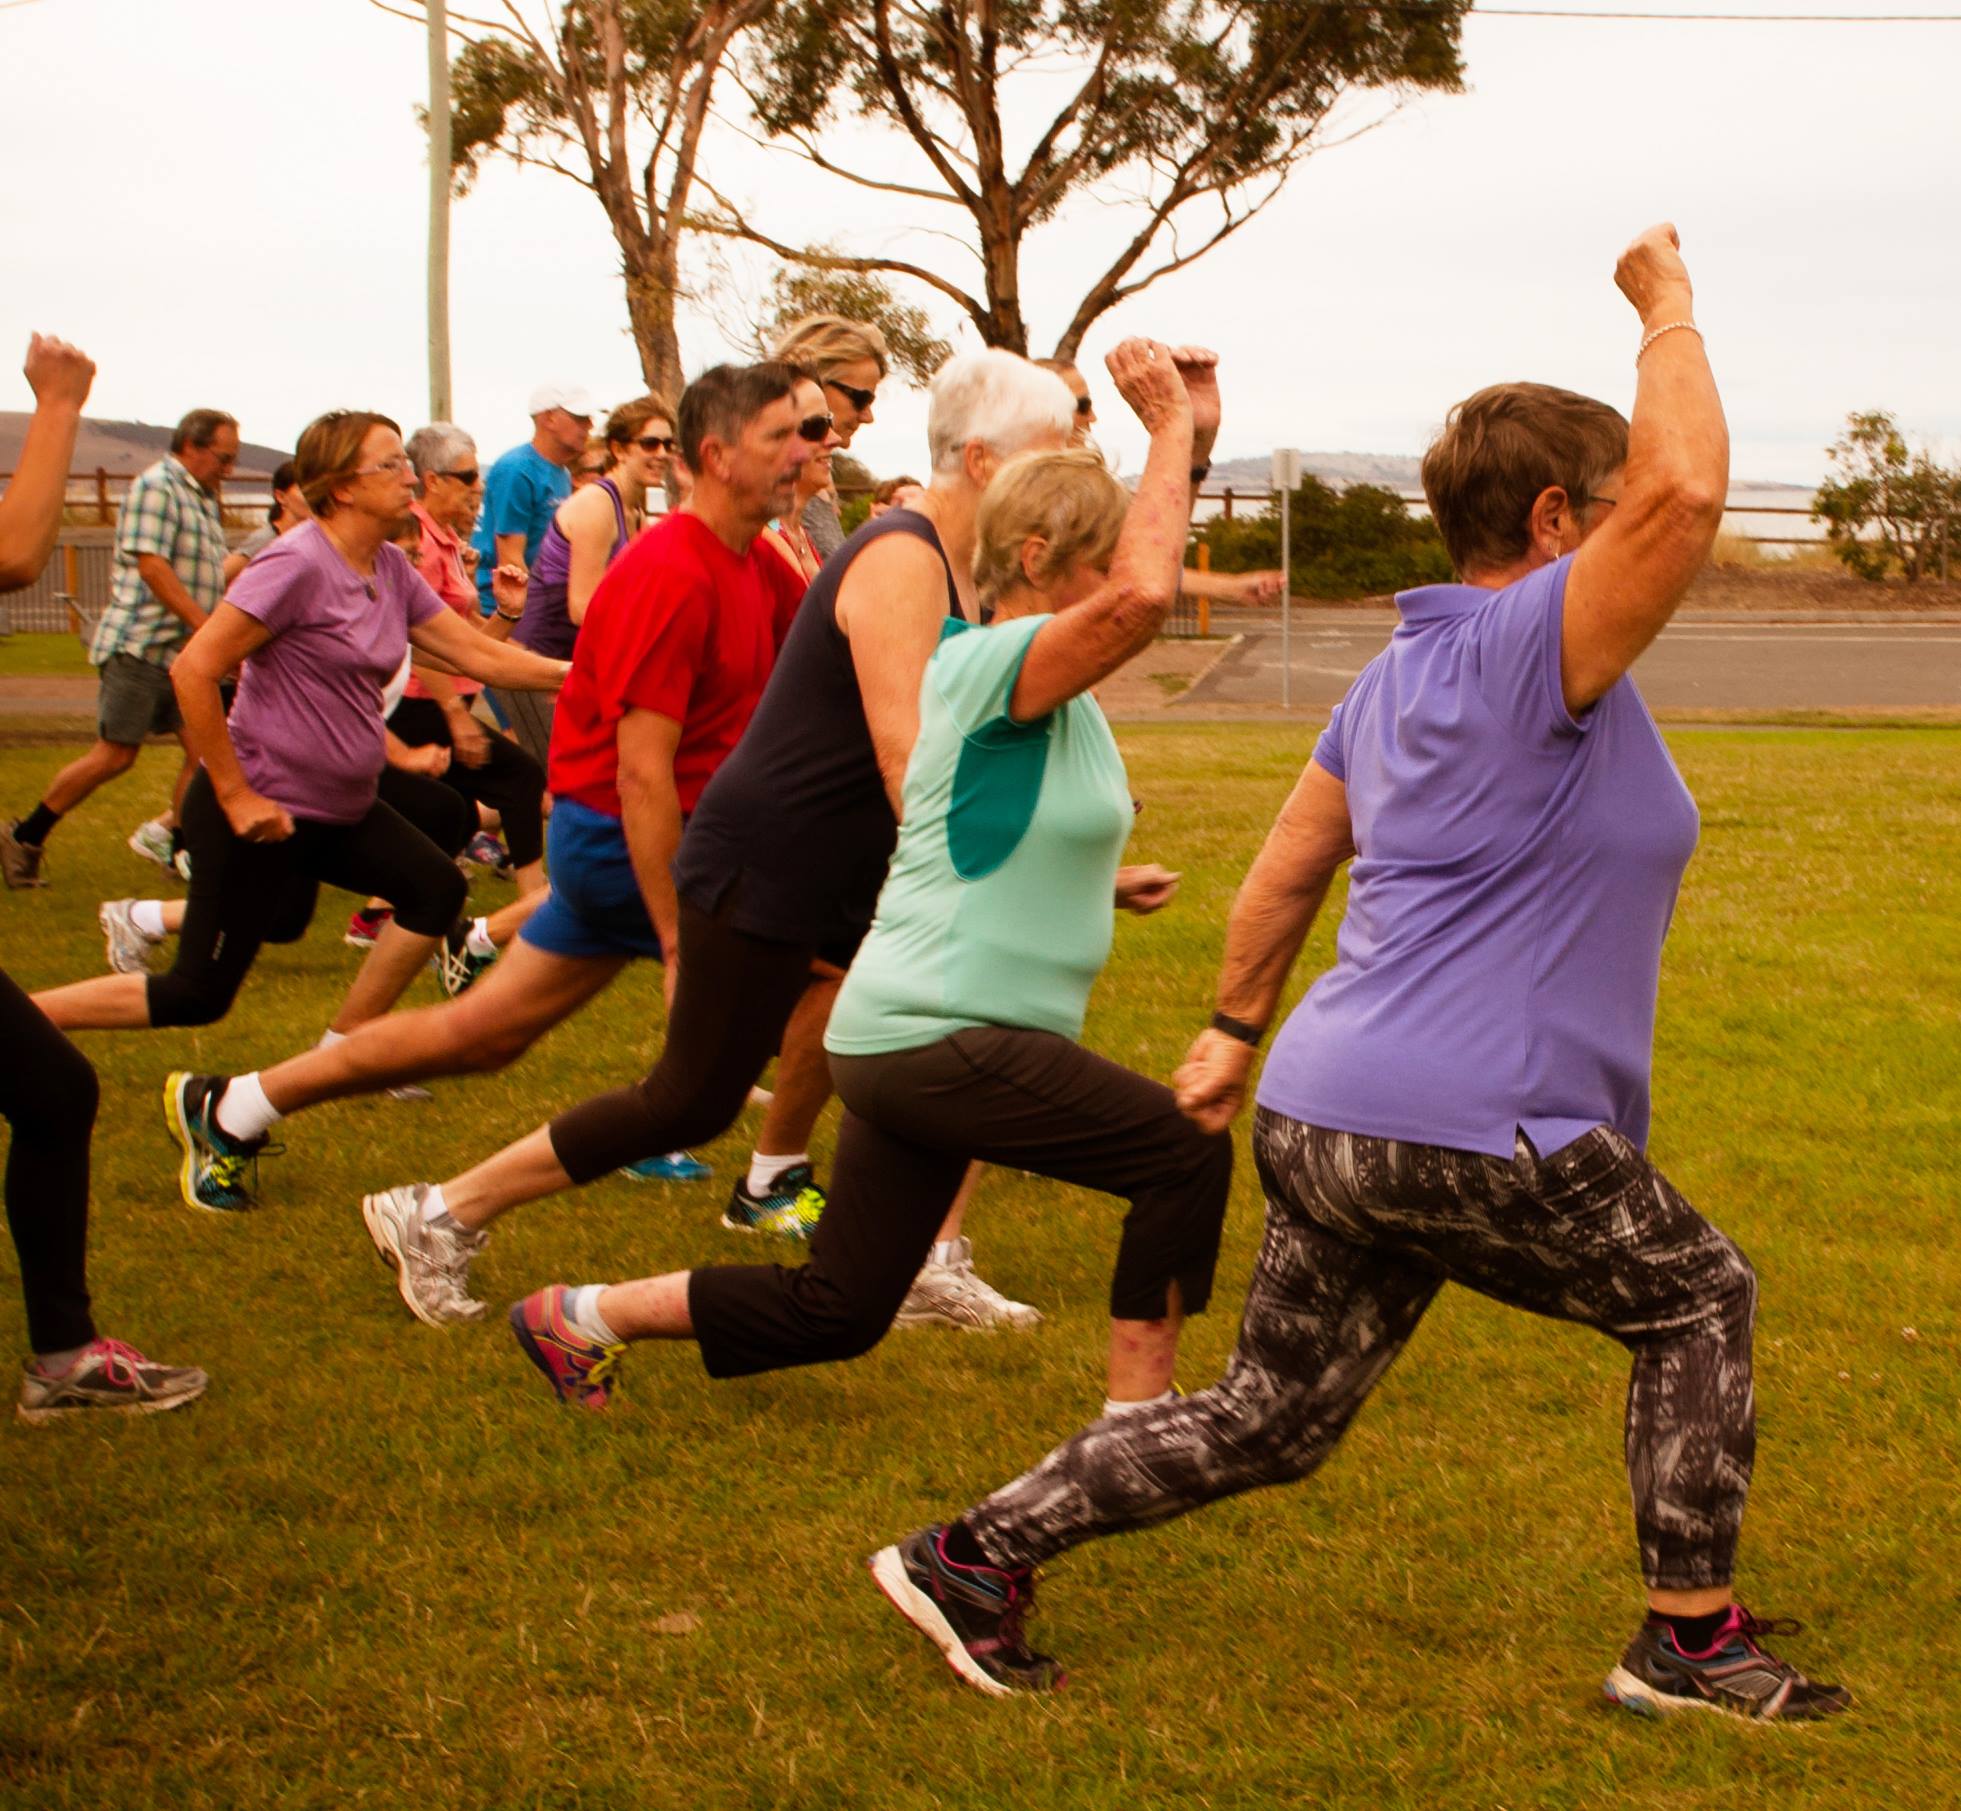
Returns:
<point x="1499" y="450"/>
<point x="199" y="428"/>
<point x="888" y="488"/>
<point x="724" y="400"/>
<point x="1069" y="500"/>
<point x="625" y="422"/>
<point x="329" y="453"/>
<point x="820" y="343"/>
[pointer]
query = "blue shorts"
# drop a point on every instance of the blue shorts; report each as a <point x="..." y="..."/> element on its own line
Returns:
<point x="595" y="908"/>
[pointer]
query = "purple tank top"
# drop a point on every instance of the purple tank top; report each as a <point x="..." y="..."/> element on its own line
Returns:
<point x="546" y="627"/>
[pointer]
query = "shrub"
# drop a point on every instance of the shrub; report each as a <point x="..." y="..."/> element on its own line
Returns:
<point x="1357" y="542"/>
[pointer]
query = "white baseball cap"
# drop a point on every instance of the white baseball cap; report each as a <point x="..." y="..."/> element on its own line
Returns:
<point x="568" y="397"/>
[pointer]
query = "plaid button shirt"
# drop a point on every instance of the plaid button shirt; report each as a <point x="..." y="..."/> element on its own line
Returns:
<point x="168" y="513"/>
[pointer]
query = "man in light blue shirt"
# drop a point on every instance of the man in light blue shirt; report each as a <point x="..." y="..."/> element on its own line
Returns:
<point x="526" y="485"/>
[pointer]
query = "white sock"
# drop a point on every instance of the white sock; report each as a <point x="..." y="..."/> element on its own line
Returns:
<point x="147" y="916"/>
<point x="763" y="1171"/>
<point x="1113" y="1407"/>
<point x="582" y="1310"/>
<point x="477" y="939"/>
<point x="434" y="1207"/>
<point x="58" y="1364"/>
<point x="329" y="1038"/>
<point x="243" y="1110"/>
<point x="949" y="1253"/>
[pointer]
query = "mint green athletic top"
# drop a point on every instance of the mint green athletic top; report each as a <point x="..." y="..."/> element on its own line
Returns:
<point x="997" y="907"/>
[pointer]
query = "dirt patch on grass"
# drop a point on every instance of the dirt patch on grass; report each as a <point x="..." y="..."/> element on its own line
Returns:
<point x="1159" y="676"/>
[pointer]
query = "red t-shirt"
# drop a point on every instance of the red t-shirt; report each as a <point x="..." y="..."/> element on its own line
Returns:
<point x="681" y="626"/>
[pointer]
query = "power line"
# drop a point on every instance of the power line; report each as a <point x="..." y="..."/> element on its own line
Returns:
<point x="1544" y="12"/>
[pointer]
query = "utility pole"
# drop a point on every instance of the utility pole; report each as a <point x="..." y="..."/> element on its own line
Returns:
<point x="1286" y="480"/>
<point x="439" y="392"/>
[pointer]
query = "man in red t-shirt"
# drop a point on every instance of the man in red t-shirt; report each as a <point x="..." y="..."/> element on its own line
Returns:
<point x="673" y="654"/>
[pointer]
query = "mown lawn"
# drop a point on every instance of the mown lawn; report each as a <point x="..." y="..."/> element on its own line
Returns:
<point x="378" y="1565"/>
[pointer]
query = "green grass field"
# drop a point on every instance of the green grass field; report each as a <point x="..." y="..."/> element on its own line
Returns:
<point x="378" y="1565"/>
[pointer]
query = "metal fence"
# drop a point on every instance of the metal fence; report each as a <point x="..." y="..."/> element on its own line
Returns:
<point x="81" y="569"/>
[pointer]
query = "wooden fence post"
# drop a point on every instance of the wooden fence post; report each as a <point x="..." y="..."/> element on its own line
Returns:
<point x="102" y="496"/>
<point x="1204" y="602"/>
<point x="71" y="570"/>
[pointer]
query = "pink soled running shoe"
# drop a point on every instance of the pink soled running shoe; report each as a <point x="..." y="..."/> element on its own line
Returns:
<point x="579" y="1369"/>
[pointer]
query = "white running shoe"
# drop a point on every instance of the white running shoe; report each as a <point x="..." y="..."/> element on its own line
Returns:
<point x="124" y="941"/>
<point x="431" y="1263"/>
<point x="954" y="1295"/>
<point x="151" y="840"/>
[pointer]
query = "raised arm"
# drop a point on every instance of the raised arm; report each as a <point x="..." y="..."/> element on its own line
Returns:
<point x="1176" y="396"/>
<point x="30" y="512"/>
<point x="1632" y="570"/>
<point x="1276" y="906"/>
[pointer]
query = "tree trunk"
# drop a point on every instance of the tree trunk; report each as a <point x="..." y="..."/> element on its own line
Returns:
<point x="1004" y="325"/>
<point x="651" y="274"/>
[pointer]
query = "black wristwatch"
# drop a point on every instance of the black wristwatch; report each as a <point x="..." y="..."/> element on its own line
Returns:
<point x="1237" y="1028"/>
<point x="1200" y="473"/>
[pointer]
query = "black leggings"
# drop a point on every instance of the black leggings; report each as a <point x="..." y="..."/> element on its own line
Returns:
<point x="48" y="1095"/>
<point x="732" y="1004"/>
<point x="247" y="894"/>
<point x="510" y="782"/>
<point x="915" y="1119"/>
<point x="1361" y="1233"/>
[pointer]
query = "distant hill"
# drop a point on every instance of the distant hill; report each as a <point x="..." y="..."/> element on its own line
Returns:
<point x="124" y="448"/>
<point x="1393" y="471"/>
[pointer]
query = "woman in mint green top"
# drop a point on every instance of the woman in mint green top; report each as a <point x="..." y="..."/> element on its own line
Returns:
<point x="954" y="1036"/>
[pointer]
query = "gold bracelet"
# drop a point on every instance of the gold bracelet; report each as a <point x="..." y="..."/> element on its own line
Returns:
<point x="1666" y="327"/>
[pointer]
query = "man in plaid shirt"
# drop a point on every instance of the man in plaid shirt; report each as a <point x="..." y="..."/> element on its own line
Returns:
<point x="170" y="553"/>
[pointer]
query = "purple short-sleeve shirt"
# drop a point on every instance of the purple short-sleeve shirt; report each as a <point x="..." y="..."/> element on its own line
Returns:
<point x="307" y="723"/>
<point x="1515" y="871"/>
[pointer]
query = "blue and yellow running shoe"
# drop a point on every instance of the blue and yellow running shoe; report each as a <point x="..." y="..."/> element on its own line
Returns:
<point x="580" y="1370"/>
<point x="219" y="1172"/>
<point x="676" y="1166"/>
<point x="791" y="1209"/>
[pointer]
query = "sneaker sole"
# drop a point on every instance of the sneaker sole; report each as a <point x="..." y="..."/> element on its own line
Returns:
<point x="1630" y="1693"/>
<point x="764" y="1232"/>
<point x="136" y="846"/>
<point x="180" y="1126"/>
<point x="381" y="1229"/>
<point x="888" y="1570"/>
<point x="934" y="1317"/>
<point x="149" y="1405"/>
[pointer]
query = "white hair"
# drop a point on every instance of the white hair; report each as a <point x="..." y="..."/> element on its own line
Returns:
<point x="436" y="447"/>
<point x="997" y="398"/>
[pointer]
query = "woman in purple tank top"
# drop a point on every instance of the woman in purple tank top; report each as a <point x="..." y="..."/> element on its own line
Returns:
<point x="586" y="535"/>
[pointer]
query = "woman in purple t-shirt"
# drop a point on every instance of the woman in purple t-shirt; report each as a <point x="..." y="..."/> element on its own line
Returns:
<point x="286" y="794"/>
<point x="1464" y="1097"/>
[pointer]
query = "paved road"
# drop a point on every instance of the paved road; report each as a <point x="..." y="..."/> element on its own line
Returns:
<point x="1706" y="664"/>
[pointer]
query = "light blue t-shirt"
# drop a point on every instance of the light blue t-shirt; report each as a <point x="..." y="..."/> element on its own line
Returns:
<point x="521" y="492"/>
<point x="1514" y="876"/>
<point x="997" y="908"/>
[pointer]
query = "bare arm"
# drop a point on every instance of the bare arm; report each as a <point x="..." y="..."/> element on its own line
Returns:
<point x="1630" y="574"/>
<point x="1276" y="906"/>
<point x="30" y="512"/>
<point x="235" y="563"/>
<point x="228" y="637"/>
<point x="891" y="608"/>
<point x="509" y="550"/>
<point x="471" y="652"/>
<point x="168" y="589"/>
<point x="651" y="813"/>
<point x="1088" y="642"/>
<point x="586" y="521"/>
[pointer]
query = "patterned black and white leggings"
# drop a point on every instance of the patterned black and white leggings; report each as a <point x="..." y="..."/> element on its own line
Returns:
<point x="1360" y="1235"/>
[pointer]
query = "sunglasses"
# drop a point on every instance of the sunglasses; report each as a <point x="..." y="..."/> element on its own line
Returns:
<point x="1083" y="405"/>
<point x="657" y="443"/>
<point x="861" y="400"/>
<point x="469" y="475"/>
<point x="814" y="427"/>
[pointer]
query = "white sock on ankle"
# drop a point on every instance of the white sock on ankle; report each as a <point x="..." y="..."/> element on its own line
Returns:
<point x="949" y="1252"/>
<point x="582" y="1310"/>
<point x="243" y="1110"/>
<point x="1112" y="1407"/>
<point x="147" y="916"/>
<point x="763" y="1171"/>
<point x="434" y="1207"/>
<point x="329" y="1038"/>
<point x="477" y="939"/>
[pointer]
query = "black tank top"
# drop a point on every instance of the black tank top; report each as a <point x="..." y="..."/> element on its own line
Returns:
<point x="798" y="813"/>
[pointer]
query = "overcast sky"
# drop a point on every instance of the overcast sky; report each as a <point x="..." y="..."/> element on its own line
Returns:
<point x="224" y="201"/>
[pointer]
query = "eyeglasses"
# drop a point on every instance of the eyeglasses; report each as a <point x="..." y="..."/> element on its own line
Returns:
<point x="393" y="467"/>
<point x="861" y="400"/>
<point x="814" y="427"/>
<point x="1083" y="405"/>
<point x="657" y="443"/>
<point x="467" y="476"/>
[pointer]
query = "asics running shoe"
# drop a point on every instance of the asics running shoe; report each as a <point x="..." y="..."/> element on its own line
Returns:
<point x="111" y="1376"/>
<point x="676" y="1166"/>
<point x="431" y="1261"/>
<point x="791" y="1208"/>
<point x="457" y="963"/>
<point x="219" y="1173"/>
<point x="955" y="1295"/>
<point x="972" y="1614"/>
<point x="1735" y="1676"/>
<point x="580" y="1370"/>
<point x="153" y="841"/>
<point x="364" y="926"/>
<point x="126" y="945"/>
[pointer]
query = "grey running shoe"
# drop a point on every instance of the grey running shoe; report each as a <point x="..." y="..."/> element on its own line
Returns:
<point x="412" y="1093"/>
<point x="972" y="1614"/>
<point x="954" y="1295"/>
<point x="127" y="946"/>
<point x="108" y="1375"/>
<point x="431" y="1262"/>
<point x="20" y="863"/>
<point x="152" y="840"/>
<point x="1736" y="1677"/>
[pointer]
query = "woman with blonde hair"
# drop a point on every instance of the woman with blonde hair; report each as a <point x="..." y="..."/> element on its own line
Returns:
<point x="954" y="1035"/>
<point x="849" y="360"/>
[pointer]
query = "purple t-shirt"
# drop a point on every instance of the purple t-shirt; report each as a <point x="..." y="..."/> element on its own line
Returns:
<point x="1514" y="875"/>
<point x="307" y="723"/>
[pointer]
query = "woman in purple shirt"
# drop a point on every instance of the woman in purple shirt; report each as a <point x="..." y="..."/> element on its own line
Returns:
<point x="1464" y="1096"/>
<point x="285" y="797"/>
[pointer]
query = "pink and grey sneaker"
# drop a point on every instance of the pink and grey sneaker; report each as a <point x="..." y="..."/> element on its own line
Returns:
<point x="365" y="926"/>
<point x="971" y="1613"/>
<point x="1734" y="1675"/>
<point x="106" y="1375"/>
<point x="580" y="1370"/>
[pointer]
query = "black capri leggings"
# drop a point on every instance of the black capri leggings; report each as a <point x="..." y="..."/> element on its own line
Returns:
<point x="247" y="894"/>
<point x="48" y="1095"/>
<point x="915" y="1119"/>
<point x="510" y="782"/>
